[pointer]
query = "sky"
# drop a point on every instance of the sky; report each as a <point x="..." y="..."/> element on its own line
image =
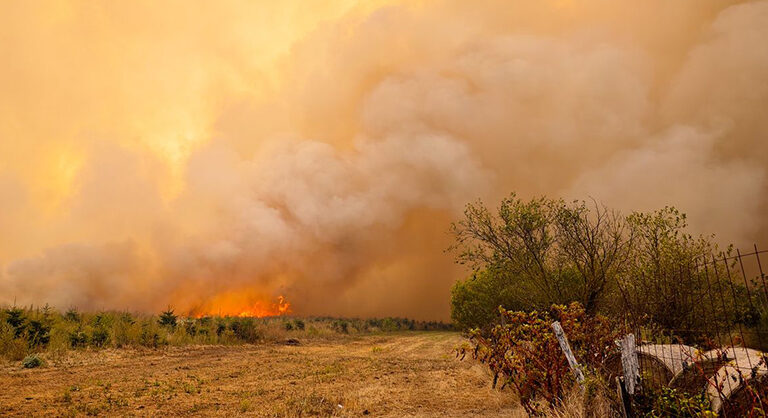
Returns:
<point x="213" y="155"/>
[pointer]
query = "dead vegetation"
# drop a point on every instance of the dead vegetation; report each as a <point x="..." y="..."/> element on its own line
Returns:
<point x="397" y="374"/>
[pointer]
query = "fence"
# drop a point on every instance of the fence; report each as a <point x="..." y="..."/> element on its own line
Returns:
<point x="702" y="328"/>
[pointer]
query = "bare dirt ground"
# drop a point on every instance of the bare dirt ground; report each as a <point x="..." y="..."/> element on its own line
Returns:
<point x="408" y="374"/>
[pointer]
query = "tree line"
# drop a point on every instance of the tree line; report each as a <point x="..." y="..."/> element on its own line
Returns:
<point x="527" y="255"/>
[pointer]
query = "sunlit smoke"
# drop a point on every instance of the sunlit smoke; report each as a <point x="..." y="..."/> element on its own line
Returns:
<point x="317" y="152"/>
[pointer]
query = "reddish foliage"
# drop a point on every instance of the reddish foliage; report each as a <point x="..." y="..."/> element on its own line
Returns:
<point x="525" y="353"/>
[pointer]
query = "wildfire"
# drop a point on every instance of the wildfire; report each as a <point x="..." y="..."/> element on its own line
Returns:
<point x="244" y="305"/>
<point x="281" y="307"/>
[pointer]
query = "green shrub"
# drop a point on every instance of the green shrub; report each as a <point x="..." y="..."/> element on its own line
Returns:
<point x="100" y="337"/>
<point x="667" y="402"/>
<point x="389" y="325"/>
<point x="103" y="319"/>
<point x="191" y="328"/>
<point x="15" y="317"/>
<point x="31" y="361"/>
<point x="12" y="348"/>
<point x="150" y="336"/>
<point x="38" y="333"/>
<point x="168" y="318"/>
<point x="125" y="331"/>
<point x="72" y="315"/>
<point x="25" y="330"/>
<point x="245" y="329"/>
<point x="78" y="338"/>
<point x="221" y="327"/>
<point x="475" y="301"/>
<point x="341" y="326"/>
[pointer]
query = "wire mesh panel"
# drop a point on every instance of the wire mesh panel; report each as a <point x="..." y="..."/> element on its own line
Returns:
<point x="702" y="329"/>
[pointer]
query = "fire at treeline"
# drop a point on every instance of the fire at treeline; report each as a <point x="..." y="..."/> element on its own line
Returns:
<point x="45" y="328"/>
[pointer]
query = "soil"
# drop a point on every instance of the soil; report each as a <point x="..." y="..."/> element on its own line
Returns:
<point x="405" y="374"/>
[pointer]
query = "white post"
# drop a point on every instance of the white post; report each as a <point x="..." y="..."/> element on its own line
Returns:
<point x="629" y="363"/>
<point x="563" y="340"/>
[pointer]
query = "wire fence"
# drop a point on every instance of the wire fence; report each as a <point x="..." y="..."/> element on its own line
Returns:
<point x="702" y="329"/>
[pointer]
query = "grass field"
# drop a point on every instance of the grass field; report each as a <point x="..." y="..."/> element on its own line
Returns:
<point x="396" y="374"/>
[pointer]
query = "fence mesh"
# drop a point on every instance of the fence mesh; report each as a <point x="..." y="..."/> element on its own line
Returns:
<point x="702" y="329"/>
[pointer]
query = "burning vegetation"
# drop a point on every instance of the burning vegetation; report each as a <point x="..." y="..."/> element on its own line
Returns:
<point x="242" y="305"/>
<point x="40" y="330"/>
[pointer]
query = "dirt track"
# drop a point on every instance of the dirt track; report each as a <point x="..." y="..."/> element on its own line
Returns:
<point x="395" y="375"/>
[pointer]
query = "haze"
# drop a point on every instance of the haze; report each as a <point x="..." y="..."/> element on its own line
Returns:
<point x="207" y="153"/>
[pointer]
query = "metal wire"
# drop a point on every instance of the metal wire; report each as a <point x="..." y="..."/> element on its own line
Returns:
<point x="715" y="302"/>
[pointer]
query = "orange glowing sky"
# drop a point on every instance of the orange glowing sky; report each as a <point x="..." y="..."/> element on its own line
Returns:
<point x="178" y="152"/>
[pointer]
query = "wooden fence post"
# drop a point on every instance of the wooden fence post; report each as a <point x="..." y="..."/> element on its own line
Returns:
<point x="563" y="340"/>
<point x="624" y="400"/>
<point x="629" y="363"/>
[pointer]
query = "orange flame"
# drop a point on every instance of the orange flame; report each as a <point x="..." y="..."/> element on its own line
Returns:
<point x="244" y="305"/>
<point x="281" y="307"/>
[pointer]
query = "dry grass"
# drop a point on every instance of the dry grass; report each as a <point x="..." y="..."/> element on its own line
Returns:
<point x="401" y="374"/>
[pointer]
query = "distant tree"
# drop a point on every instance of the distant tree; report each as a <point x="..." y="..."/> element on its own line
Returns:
<point x="597" y="244"/>
<point x="545" y="250"/>
<point x="168" y="318"/>
<point x="671" y="278"/>
<point x="72" y="315"/>
<point x="528" y="255"/>
<point x="15" y="318"/>
<point x="38" y="333"/>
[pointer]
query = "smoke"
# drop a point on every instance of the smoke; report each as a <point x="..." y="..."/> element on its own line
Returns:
<point x="149" y="157"/>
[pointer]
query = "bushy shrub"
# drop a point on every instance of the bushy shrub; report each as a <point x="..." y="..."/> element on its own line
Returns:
<point x="168" y="318"/>
<point x="191" y="328"/>
<point x="78" y="338"/>
<point x="38" y="333"/>
<point x="525" y="354"/>
<point x="150" y="336"/>
<point x="11" y="347"/>
<point x="220" y="328"/>
<point x="100" y="337"/>
<point x="475" y="301"/>
<point x="15" y="318"/>
<point x="246" y="330"/>
<point x="341" y="326"/>
<point x="124" y="331"/>
<point x="23" y="330"/>
<point x="668" y="402"/>
<point x="72" y="315"/>
<point x="31" y="361"/>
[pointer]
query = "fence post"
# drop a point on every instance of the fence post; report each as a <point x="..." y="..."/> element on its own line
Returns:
<point x="624" y="401"/>
<point x="629" y="363"/>
<point x="563" y="340"/>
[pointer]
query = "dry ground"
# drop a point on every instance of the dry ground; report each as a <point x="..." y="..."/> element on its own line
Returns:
<point x="384" y="375"/>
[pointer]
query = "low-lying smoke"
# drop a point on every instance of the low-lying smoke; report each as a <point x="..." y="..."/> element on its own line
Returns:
<point x="321" y="152"/>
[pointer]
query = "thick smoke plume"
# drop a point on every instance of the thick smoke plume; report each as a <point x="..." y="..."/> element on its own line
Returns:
<point x="155" y="154"/>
